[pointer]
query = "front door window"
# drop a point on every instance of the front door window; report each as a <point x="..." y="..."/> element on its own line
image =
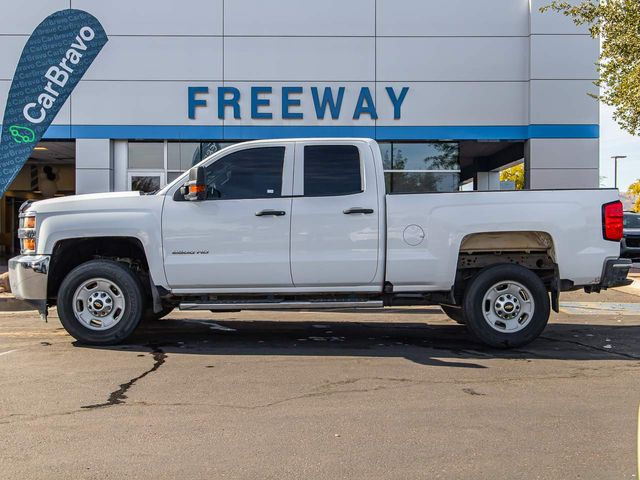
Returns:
<point x="251" y="173"/>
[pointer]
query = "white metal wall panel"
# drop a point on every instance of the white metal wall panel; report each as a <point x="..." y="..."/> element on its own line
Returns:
<point x="296" y="17"/>
<point x="10" y="50"/>
<point x="155" y="17"/>
<point x="563" y="101"/>
<point x="567" y="152"/>
<point x="159" y="58"/>
<point x="22" y="17"/>
<point x="561" y="178"/>
<point x="568" y="57"/>
<point x="318" y="59"/>
<point x="91" y="181"/>
<point x="453" y="59"/>
<point x="95" y="152"/>
<point x="136" y="103"/>
<point x="453" y="17"/>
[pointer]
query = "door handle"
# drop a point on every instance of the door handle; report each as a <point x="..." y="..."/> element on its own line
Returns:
<point x="351" y="210"/>
<point x="274" y="213"/>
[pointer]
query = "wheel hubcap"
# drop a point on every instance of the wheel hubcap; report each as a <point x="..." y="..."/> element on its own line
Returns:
<point x="508" y="306"/>
<point x="98" y="304"/>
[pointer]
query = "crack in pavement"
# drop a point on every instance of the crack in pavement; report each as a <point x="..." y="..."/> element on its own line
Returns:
<point x="471" y="391"/>
<point x="391" y="383"/>
<point x="118" y="397"/>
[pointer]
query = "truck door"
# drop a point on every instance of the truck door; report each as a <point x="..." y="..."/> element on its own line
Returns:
<point x="335" y="216"/>
<point x="239" y="236"/>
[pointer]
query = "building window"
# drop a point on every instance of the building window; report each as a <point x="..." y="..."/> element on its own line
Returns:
<point x="146" y="155"/>
<point x="421" y="167"/>
<point x="182" y="156"/>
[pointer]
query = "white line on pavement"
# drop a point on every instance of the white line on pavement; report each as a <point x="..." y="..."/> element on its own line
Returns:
<point x="8" y="352"/>
<point x="216" y="326"/>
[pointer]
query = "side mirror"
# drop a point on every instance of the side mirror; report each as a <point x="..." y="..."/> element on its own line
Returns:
<point x="196" y="188"/>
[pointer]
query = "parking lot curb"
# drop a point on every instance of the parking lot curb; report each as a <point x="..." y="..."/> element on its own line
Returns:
<point x="633" y="289"/>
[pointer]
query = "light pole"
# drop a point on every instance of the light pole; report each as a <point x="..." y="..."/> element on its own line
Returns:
<point x="615" y="169"/>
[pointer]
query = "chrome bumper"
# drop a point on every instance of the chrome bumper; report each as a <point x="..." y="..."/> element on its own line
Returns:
<point x="28" y="276"/>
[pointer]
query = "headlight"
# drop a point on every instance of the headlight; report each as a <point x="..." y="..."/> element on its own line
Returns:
<point x="27" y="234"/>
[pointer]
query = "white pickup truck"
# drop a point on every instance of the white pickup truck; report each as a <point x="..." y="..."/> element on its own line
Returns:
<point x="307" y="224"/>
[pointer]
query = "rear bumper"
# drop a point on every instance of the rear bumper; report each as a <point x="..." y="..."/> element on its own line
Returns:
<point x="614" y="274"/>
<point x="28" y="276"/>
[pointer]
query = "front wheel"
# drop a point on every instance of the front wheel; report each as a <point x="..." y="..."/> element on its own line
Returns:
<point x="506" y="306"/>
<point x="100" y="302"/>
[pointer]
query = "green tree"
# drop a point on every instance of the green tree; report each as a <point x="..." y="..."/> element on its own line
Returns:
<point x="617" y="23"/>
<point x="514" y="174"/>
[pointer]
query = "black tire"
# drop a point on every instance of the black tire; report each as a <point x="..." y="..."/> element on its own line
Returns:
<point x="150" y="316"/>
<point x="475" y="310"/>
<point x="130" y="288"/>
<point x="454" y="313"/>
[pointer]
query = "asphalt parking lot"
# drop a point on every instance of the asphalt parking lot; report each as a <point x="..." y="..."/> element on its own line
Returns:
<point x="400" y="393"/>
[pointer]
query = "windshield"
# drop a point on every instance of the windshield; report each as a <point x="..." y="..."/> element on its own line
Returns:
<point x="631" y="220"/>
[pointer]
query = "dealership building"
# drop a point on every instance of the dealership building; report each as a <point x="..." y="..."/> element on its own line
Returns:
<point x="454" y="90"/>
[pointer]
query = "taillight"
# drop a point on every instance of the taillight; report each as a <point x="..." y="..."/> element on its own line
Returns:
<point x="612" y="224"/>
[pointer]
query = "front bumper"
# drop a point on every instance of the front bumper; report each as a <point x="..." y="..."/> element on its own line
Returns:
<point x="28" y="275"/>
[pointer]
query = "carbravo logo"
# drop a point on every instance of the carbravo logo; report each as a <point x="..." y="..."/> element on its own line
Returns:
<point x="53" y="61"/>
<point x="22" y="134"/>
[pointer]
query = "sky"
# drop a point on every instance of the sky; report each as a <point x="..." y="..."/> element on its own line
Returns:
<point x="613" y="141"/>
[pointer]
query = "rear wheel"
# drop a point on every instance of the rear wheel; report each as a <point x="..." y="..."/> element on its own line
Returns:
<point x="506" y="306"/>
<point x="454" y="313"/>
<point x="100" y="302"/>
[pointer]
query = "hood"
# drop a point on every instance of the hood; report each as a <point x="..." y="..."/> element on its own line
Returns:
<point x="91" y="201"/>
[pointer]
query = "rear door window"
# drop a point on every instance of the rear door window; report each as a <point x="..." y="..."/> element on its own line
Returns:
<point x="332" y="170"/>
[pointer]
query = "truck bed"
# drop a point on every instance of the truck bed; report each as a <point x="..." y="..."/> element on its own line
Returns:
<point x="572" y="218"/>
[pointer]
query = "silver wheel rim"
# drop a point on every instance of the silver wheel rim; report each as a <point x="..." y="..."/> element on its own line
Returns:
<point x="508" y="306"/>
<point x="98" y="304"/>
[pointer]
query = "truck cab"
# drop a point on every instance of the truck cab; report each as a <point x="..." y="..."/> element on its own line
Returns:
<point x="280" y="216"/>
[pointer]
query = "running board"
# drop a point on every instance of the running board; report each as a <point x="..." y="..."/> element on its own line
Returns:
<point x="280" y="305"/>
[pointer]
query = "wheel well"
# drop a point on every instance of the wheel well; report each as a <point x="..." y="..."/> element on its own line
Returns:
<point x="505" y="242"/>
<point x="532" y="250"/>
<point x="69" y="253"/>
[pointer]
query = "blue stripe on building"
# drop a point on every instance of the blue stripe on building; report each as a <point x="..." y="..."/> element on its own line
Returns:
<point x="242" y="132"/>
